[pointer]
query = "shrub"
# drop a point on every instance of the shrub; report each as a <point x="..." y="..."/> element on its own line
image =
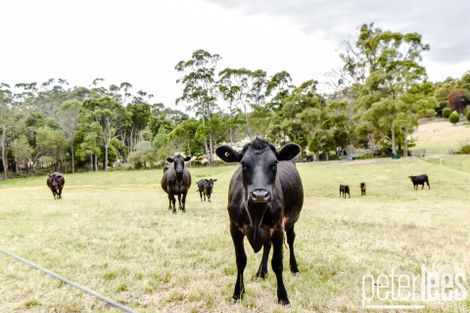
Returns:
<point x="468" y="113"/>
<point x="446" y="112"/>
<point x="464" y="150"/>
<point x="454" y="117"/>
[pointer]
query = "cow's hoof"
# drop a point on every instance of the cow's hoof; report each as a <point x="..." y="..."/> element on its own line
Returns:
<point x="295" y="270"/>
<point x="174" y="211"/>
<point x="235" y="300"/>
<point x="284" y="301"/>
<point x="261" y="275"/>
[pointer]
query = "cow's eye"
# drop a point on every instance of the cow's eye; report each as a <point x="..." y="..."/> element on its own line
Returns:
<point x="274" y="166"/>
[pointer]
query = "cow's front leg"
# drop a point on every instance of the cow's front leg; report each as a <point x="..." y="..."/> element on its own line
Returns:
<point x="276" y="263"/>
<point x="237" y="238"/>
<point x="59" y="191"/>
<point x="53" y="193"/>
<point x="263" y="267"/>
<point x="183" y="200"/>
<point x="172" y="202"/>
<point x="179" y="202"/>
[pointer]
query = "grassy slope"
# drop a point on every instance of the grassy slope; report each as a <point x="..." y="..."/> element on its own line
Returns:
<point x="113" y="233"/>
<point x="438" y="136"/>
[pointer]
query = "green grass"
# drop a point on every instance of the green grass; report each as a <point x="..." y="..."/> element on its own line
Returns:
<point x="439" y="136"/>
<point x="113" y="233"/>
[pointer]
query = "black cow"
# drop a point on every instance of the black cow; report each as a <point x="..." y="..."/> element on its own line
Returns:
<point x="176" y="180"/>
<point x="56" y="182"/>
<point x="344" y="190"/>
<point x="264" y="200"/>
<point x="420" y="180"/>
<point x="205" y="187"/>
<point x="363" y="189"/>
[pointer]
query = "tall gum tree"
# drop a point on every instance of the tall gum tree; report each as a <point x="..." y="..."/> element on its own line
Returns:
<point x="200" y="89"/>
<point x="384" y="65"/>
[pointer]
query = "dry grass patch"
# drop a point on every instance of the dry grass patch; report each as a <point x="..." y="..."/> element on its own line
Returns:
<point x="113" y="233"/>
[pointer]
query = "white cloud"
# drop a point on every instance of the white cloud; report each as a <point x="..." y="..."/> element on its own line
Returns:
<point x="141" y="41"/>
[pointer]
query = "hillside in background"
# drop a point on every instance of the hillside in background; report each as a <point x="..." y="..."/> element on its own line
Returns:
<point x="438" y="136"/>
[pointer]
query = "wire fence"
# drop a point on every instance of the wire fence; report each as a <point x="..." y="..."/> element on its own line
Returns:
<point x="68" y="282"/>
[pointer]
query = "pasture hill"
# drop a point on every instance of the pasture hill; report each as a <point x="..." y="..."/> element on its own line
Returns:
<point x="113" y="232"/>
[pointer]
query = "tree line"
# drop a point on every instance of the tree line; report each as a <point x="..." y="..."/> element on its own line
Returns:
<point x="379" y="94"/>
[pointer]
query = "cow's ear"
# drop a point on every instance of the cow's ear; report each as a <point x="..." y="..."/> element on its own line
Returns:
<point x="169" y="160"/>
<point x="214" y="179"/>
<point x="227" y="154"/>
<point x="188" y="158"/>
<point x="50" y="175"/>
<point x="288" y="152"/>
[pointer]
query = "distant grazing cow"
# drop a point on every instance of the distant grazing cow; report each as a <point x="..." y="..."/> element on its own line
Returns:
<point x="420" y="180"/>
<point x="265" y="198"/>
<point x="176" y="180"/>
<point x="56" y="182"/>
<point x="205" y="187"/>
<point x="343" y="190"/>
<point x="363" y="189"/>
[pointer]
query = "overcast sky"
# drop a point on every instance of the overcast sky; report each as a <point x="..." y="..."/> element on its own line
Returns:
<point x="141" y="41"/>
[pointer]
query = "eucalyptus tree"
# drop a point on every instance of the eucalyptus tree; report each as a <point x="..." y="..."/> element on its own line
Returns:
<point x="22" y="152"/>
<point x="51" y="145"/>
<point x="416" y="103"/>
<point x="200" y="88"/>
<point x="7" y="124"/>
<point x="384" y="65"/>
<point x="301" y="116"/>
<point x="139" y="114"/>
<point x="68" y="116"/>
<point x="243" y="87"/>
<point x="109" y="115"/>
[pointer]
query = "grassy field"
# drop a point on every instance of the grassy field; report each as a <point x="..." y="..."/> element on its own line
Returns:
<point x="438" y="136"/>
<point x="113" y="233"/>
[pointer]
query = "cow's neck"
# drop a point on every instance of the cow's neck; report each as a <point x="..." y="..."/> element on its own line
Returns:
<point x="179" y="179"/>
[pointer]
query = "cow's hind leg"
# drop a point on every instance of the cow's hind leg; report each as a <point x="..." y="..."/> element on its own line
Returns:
<point x="263" y="267"/>
<point x="200" y="195"/>
<point x="276" y="263"/>
<point x="427" y="182"/>
<point x="290" y="241"/>
<point x="237" y="238"/>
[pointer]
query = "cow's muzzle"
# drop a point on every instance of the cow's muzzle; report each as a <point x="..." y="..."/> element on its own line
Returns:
<point x="259" y="196"/>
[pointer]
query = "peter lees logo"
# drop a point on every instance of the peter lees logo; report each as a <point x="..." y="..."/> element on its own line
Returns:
<point x="402" y="291"/>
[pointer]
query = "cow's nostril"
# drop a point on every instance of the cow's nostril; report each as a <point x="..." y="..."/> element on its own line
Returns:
<point x="260" y="195"/>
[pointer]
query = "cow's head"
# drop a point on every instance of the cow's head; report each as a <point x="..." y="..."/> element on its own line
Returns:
<point x="411" y="177"/>
<point x="54" y="179"/>
<point x="258" y="161"/>
<point x="178" y="163"/>
<point x="210" y="183"/>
